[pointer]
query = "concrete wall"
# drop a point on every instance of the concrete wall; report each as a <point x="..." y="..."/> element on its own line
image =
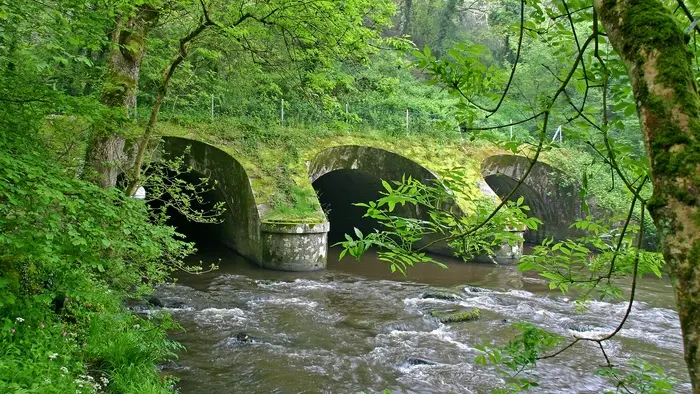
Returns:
<point x="294" y="247"/>
<point x="302" y="246"/>
<point x="382" y="163"/>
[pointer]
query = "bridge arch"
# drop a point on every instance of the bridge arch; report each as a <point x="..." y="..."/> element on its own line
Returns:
<point x="346" y="174"/>
<point x="546" y="191"/>
<point x="240" y="229"/>
<point x="285" y="246"/>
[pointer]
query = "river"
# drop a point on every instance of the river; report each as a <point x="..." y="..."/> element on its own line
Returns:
<point x="355" y="326"/>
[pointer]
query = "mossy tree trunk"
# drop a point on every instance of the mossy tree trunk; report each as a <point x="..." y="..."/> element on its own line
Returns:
<point x="135" y="176"/>
<point x="106" y="146"/>
<point x="653" y="47"/>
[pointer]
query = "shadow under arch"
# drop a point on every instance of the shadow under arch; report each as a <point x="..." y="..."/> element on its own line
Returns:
<point x="347" y="174"/>
<point x="240" y="229"/>
<point x="201" y="233"/>
<point x="550" y="197"/>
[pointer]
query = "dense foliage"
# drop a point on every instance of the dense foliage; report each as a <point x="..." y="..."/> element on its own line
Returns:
<point x="75" y="74"/>
<point x="71" y="253"/>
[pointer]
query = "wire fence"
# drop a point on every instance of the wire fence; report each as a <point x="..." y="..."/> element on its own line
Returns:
<point x="357" y="116"/>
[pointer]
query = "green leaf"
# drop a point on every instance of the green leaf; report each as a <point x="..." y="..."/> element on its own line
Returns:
<point x="358" y="233"/>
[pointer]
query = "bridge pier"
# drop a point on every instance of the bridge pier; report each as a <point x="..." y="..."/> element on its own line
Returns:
<point x="511" y="253"/>
<point x="294" y="246"/>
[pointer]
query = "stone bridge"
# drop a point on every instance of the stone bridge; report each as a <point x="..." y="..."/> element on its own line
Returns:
<point x="546" y="191"/>
<point x="342" y="175"/>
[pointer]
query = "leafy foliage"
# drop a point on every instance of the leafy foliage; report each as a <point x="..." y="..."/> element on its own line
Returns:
<point x="71" y="254"/>
<point x="437" y="213"/>
<point x="593" y="262"/>
<point x="520" y="353"/>
<point x="641" y="377"/>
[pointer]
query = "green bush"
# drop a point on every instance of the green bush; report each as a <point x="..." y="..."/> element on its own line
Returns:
<point x="70" y="253"/>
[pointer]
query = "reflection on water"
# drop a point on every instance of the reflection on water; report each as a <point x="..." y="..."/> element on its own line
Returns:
<point x="354" y="327"/>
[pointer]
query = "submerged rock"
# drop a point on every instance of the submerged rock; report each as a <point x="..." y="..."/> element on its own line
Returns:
<point x="579" y="327"/>
<point x="155" y="301"/>
<point x="419" y="361"/>
<point x="442" y="296"/>
<point x="456" y="317"/>
<point x="242" y="337"/>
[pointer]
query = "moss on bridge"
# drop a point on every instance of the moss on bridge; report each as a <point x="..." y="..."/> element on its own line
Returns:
<point x="276" y="159"/>
<point x="277" y="162"/>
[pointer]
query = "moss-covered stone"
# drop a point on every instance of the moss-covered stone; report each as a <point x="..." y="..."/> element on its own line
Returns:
<point x="457" y="317"/>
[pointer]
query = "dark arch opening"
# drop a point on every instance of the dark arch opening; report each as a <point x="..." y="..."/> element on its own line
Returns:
<point x="502" y="185"/>
<point x="337" y="192"/>
<point x="201" y="234"/>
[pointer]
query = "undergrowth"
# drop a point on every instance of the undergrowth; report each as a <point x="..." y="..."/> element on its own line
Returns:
<point x="70" y="255"/>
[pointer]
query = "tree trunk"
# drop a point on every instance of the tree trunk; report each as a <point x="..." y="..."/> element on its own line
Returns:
<point x="135" y="178"/>
<point x="106" y="147"/>
<point x="407" y="14"/>
<point x="653" y="47"/>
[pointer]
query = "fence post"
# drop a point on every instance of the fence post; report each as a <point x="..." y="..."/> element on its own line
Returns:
<point x="557" y="134"/>
<point x="282" y="113"/>
<point x="511" y="129"/>
<point x="172" y="110"/>
<point x="406" y="122"/>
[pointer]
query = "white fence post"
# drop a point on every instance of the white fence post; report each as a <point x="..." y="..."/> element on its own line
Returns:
<point x="557" y="134"/>
<point x="511" y="129"/>
<point x="406" y="122"/>
<point x="282" y="113"/>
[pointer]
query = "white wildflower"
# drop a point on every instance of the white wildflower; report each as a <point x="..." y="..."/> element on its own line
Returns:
<point x="19" y="320"/>
<point x="52" y="356"/>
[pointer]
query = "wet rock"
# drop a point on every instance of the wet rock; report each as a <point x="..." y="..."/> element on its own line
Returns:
<point x="413" y="324"/>
<point x="419" y="361"/>
<point x="137" y="305"/>
<point x="579" y="327"/>
<point x="155" y="301"/>
<point x="357" y="324"/>
<point x="174" y="304"/>
<point x="472" y="289"/>
<point x="442" y="296"/>
<point x="242" y="337"/>
<point x="456" y="317"/>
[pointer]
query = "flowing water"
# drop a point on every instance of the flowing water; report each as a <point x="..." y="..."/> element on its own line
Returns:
<point x="356" y="327"/>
